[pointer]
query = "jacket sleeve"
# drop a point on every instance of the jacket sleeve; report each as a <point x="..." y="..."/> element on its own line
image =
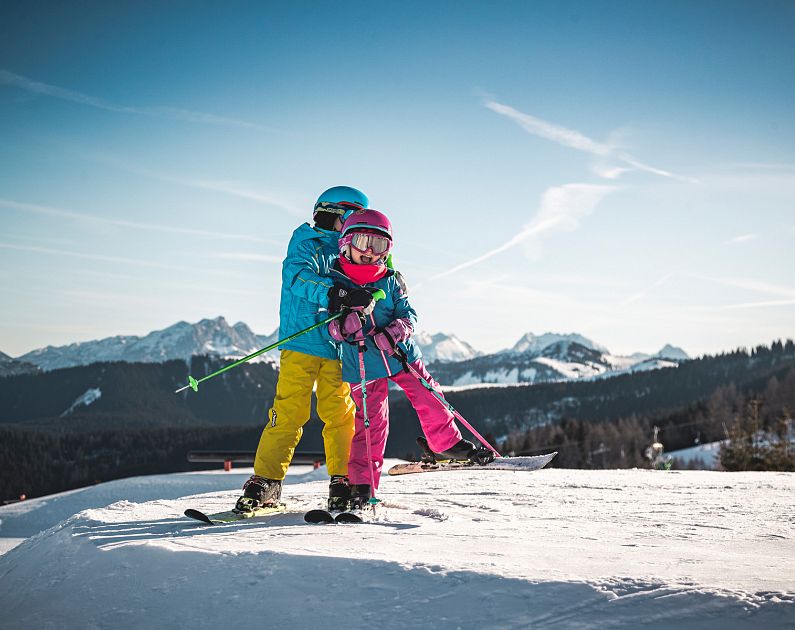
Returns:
<point x="405" y="320"/>
<point x="301" y="274"/>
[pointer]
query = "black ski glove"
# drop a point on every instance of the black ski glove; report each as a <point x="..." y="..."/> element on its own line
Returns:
<point x="336" y="294"/>
<point x="359" y="300"/>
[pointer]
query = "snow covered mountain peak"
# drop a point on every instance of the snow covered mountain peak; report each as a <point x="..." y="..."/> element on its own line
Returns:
<point x="673" y="353"/>
<point x="12" y="367"/>
<point x="442" y="347"/>
<point x="534" y="358"/>
<point x="178" y="341"/>
<point x="535" y="344"/>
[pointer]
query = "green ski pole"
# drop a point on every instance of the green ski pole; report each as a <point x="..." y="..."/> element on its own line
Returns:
<point x="194" y="383"/>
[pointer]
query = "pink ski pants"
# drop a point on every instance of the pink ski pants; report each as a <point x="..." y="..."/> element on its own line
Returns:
<point x="437" y="423"/>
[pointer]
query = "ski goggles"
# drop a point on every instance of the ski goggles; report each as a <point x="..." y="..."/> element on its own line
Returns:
<point x="343" y="208"/>
<point x="364" y="241"/>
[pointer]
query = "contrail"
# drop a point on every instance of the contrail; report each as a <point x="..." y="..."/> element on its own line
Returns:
<point x="176" y="113"/>
<point x="562" y="207"/>
<point x="79" y="216"/>
<point x="576" y="140"/>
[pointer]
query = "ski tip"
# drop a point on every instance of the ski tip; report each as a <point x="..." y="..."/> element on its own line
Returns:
<point x="319" y="517"/>
<point x="348" y="518"/>
<point x="199" y="516"/>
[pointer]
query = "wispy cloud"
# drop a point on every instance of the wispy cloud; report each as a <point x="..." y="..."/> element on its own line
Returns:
<point x="155" y="227"/>
<point x="751" y="285"/>
<point x="562" y="208"/>
<point x="745" y="305"/>
<point x="743" y="238"/>
<point x="644" y="292"/>
<point x="760" y="166"/>
<point x="579" y="141"/>
<point x="550" y="131"/>
<point x="175" y="113"/>
<point x="237" y="189"/>
<point x="102" y="258"/>
<point x="247" y="257"/>
<point x="228" y="187"/>
<point x="184" y="272"/>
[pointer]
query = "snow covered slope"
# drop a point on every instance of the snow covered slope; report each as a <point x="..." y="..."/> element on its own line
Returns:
<point x="552" y="549"/>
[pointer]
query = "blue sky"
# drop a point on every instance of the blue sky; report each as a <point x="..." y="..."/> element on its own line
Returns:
<point x="622" y="170"/>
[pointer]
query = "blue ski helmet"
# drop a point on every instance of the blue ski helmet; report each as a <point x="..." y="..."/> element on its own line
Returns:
<point x="341" y="200"/>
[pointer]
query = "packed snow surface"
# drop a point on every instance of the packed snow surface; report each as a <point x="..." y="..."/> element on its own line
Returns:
<point x="553" y="549"/>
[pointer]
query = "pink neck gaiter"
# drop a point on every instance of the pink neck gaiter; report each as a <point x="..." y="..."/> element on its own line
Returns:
<point x="363" y="274"/>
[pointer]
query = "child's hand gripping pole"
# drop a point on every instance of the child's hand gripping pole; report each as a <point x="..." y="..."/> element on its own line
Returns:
<point x="407" y="367"/>
<point x="194" y="383"/>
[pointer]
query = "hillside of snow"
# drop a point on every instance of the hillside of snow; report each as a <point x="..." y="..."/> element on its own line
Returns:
<point x="554" y="548"/>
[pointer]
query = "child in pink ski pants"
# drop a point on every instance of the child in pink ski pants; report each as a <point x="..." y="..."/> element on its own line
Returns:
<point x="383" y="328"/>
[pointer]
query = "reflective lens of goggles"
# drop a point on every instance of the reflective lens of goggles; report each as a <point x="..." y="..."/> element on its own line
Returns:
<point x="362" y="242"/>
<point x="342" y="208"/>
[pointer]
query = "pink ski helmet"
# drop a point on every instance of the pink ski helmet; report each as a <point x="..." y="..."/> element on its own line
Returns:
<point x="366" y="229"/>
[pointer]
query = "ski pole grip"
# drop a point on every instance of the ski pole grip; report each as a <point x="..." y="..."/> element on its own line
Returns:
<point x="379" y="295"/>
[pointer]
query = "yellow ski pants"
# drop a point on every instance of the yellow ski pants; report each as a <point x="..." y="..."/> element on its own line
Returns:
<point x="290" y="412"/>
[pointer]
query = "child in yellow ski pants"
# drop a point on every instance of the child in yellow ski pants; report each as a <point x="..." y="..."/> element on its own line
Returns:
<point x="291" y="407"/>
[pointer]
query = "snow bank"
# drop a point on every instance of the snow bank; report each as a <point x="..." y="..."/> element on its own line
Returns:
<point x="554" y="548"/>
<point x="27" y="518"/>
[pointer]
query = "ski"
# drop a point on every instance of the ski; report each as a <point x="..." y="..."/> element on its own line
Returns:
<point x="324" y="517"/>
<point x="318" y="517"/>
<point x="501" y="463"/>
<point x="231" y="516"/>
<point x="349" y="517"/>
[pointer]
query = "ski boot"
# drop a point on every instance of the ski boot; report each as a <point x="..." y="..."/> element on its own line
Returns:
<point x="360" y="496"/>
<point x="339" y="493"/>
<point x="259" y="492"/>
<point x="461" y="451"/>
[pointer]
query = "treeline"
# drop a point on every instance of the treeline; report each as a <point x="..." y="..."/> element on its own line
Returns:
<point x="756" y="443"/>
<point x="138" y="395"/>
<point x="653" y="394"/>
<point x="756" y="420"/>
<point x="37" y="463"/>
<point x="139" y="426"/>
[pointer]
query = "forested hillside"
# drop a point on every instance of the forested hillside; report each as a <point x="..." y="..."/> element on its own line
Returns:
<point x="69" y="427"/>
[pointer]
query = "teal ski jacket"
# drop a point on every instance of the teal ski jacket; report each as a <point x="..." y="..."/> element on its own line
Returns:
<point x="305" y="287"/>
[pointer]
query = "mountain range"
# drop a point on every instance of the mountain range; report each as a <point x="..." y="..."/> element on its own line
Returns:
<point x="548" y="357"/>
<point x="14" y="367"/>
<point x="553" y="359"/>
